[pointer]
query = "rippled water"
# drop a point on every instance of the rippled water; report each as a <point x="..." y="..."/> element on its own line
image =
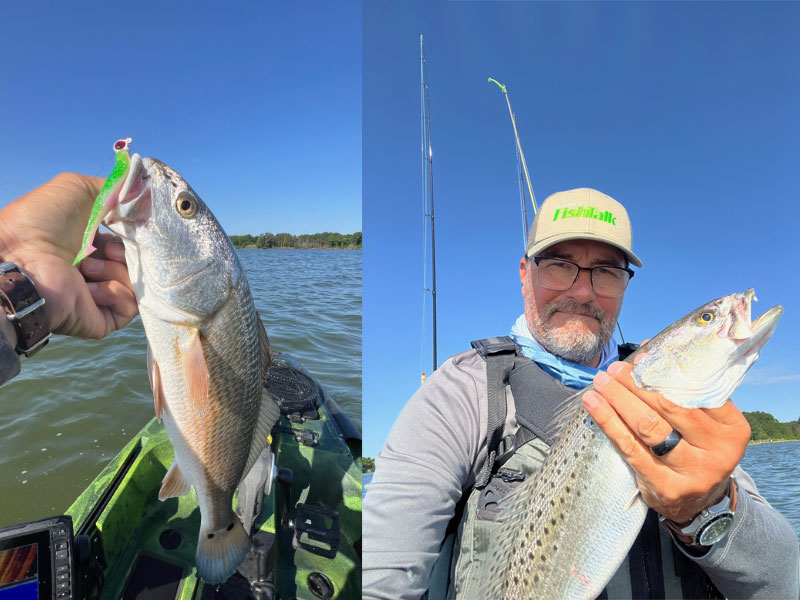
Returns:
<point x="774" y="468"/>
<point x="77" y="403"/>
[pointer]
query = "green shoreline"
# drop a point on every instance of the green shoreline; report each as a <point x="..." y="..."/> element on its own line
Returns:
<point x="758" y="442"/>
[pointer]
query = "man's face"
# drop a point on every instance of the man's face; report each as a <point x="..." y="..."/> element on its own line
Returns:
<point x="574" y="323"/>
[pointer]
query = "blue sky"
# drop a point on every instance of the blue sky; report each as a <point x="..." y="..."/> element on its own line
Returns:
<point x="687" y="113"/>
<point x="257" y="105"/>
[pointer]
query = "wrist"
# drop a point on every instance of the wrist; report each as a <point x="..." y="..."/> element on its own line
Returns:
<point x="24" y="309"/>
<point x="710" y="524"/>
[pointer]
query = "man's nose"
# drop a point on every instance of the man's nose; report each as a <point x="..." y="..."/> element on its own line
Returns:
<point x="582" y="289"/>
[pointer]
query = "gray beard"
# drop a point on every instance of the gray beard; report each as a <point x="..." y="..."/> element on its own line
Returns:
<point x="578" y="347"/>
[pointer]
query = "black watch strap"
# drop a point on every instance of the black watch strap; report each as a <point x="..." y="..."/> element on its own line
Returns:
<point x="24" y="307"/>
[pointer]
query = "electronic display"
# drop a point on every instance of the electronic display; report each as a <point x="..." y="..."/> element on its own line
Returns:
<point x="36" y="560"/>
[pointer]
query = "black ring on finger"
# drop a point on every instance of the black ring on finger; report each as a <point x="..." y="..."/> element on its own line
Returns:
<point x="668" y="444"/>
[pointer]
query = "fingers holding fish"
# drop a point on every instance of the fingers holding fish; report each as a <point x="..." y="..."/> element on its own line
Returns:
<point x="115" y="307"/>
<point x="643" y="421"/>
<point x="630" y="401"/>
<point x="109" y="247"/>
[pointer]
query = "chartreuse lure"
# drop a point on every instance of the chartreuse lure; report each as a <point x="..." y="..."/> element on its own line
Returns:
<point x="103" y="203"/>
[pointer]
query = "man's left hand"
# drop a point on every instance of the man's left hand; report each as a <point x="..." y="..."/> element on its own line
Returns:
<point x="694" y="474"/>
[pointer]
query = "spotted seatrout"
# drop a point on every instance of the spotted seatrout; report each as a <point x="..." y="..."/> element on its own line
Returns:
<point x="208" y="352"/>
<point x="568" y="529"/>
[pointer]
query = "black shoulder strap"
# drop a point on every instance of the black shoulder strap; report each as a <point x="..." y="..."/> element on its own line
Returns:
<point x="499" y="353"/>
<point x="626" y="349"/>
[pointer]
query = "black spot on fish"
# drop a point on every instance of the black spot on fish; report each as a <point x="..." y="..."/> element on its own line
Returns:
<point x="539" y="542"/>
<point x="211" y="536"/>
<point x="229" y="527"/>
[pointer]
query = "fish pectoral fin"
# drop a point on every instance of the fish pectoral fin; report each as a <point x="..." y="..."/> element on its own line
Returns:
<point x="265" y="355"/>
<point x="195" y="372"/>
<point x="269" y="411"/>
<point x="155" y="383"/>
<point x="174" y="484"/>
<point x="637" y="495"/>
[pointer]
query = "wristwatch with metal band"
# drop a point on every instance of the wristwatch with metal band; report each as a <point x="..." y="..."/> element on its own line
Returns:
<point x="24" y="307"/>
<point x="710" y="525"/>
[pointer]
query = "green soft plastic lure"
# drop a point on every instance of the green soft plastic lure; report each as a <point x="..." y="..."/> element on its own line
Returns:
<point x="106" y="198"/>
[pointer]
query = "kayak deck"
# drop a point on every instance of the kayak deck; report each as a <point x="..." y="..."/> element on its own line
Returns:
<point x="307" y="535"/>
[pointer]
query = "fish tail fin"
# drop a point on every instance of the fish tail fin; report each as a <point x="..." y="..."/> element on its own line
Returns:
<point x="219" y="553"/>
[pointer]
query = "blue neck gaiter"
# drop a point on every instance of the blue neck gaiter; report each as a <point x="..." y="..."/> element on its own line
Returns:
<point x="569" y="373"/>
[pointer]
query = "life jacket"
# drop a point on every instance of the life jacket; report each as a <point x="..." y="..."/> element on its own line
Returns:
<point x="653" y="568"/>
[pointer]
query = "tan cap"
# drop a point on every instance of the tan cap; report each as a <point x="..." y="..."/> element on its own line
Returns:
<point x="581" y="214"/>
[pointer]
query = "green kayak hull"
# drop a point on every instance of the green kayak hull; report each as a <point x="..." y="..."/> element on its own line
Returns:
<point x="146" y="548"/>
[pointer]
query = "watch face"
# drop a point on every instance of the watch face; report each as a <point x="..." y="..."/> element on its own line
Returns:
<point x="716" y="530"/>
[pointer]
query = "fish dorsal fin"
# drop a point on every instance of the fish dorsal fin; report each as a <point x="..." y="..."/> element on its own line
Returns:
<point x="174" y="484"/>
<point x="564" y="412"/>
<point x="154" y="375"/>
<point x="264" y="353"/>
<point x="269" y="411"/>
<point x="195" y="371"/>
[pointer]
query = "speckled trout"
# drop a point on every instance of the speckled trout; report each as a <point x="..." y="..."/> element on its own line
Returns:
<point x="568" y="529"/>
<point x="208" y="352"/>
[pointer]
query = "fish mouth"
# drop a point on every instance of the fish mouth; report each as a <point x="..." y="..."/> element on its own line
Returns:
<point x="134" y="203"/>
<point x="751" y="337"/>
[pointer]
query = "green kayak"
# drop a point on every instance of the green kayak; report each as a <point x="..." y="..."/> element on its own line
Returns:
<point x="306" y="528"/>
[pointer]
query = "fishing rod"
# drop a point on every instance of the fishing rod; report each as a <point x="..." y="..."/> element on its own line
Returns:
<point x="519" y="145"/>
<point x="427" y="177"/>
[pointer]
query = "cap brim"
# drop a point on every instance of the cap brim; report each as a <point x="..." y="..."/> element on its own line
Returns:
<point x="552" y="241"/>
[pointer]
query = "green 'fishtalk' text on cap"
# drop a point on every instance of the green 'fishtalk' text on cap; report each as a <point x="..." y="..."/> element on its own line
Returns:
<point x="581" y="214"/>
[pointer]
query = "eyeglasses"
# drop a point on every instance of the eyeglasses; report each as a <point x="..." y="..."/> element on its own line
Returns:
<point x="560" y="274"/>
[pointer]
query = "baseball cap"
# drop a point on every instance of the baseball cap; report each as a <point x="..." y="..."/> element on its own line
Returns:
<point x="581" y="214"/>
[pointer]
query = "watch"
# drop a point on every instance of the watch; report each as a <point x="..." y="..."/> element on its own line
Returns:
<point x="710" y="525"/>
<point x="24" y="307"/>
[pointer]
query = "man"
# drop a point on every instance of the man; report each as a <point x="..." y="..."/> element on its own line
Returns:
<point x="39" y="236"/>
<point x="429" y="520"/>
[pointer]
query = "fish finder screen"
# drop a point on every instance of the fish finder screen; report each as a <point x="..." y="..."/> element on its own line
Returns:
<point x="19" y="573"/>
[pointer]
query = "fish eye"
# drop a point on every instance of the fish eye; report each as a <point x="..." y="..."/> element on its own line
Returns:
<point x="705" y="318"/>
<point x="186" y="205"/>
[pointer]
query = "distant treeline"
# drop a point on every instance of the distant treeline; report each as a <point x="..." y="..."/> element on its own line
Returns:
<point x="327" y="239"/>
<point x="763" y="426"/>
<point x="367" y="464"/>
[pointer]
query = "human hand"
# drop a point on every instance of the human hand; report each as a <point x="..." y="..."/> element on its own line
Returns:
<point x="42" y="231"/>
<point x="693" y="475"/>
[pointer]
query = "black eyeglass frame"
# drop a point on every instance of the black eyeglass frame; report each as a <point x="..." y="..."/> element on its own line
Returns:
<point x="631" y="273"/>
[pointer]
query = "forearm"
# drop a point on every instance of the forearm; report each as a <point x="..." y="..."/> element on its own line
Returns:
<point x="9" y="361"/>
<point x="760" y="557"/>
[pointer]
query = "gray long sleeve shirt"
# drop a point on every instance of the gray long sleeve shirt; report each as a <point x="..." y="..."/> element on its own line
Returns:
<point x="437" y="448"/>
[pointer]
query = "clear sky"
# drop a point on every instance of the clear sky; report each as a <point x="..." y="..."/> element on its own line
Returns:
<point x="687" y="113"/>
<point x="256" y="104"/>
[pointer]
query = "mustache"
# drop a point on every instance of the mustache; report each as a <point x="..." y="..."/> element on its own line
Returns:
<point x="573" y="306"/>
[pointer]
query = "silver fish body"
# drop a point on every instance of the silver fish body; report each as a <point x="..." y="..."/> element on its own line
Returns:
<point x="568" y="529"/>
<point x="207" y="351"/>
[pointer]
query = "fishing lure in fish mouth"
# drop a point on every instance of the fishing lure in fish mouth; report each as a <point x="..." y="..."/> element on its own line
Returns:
<point x="107" y="198"/>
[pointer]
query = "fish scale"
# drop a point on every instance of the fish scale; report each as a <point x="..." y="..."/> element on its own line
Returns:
<point x="567" y="529"/>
